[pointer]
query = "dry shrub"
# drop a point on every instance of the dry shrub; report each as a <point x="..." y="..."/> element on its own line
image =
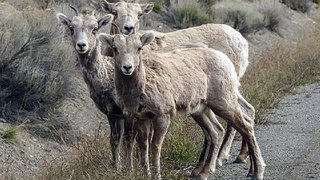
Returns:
<point x="190" y="13"/>
<point x="298" y="5"/>
<point x="247" y="17"/>
<point x="44" y="4"/>
<point x="34" y="63"/>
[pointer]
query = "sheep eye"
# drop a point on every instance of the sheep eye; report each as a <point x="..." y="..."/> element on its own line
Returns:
<point x="139" y="15"/>
<point x="115" y="14"/>
<point x="139" y="49"/>
<point x="115" y="49"/>
<point x="71" y="30"/>
<point x="95" y="30"/>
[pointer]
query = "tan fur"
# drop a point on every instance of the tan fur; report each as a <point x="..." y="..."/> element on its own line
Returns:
<point x="212" y="35"/>
<point x="155" y="85"/>
<point x="225" y="39"/>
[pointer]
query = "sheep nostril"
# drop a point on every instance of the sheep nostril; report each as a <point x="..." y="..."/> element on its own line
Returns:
<point x="81" y="45"/>
<point x="127" y="68"/>
<point x="128" y="29"/>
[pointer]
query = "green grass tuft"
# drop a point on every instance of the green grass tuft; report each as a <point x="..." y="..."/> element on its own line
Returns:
<point x="9" y="135"/>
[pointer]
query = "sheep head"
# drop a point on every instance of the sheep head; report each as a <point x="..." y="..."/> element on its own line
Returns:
<point x="83" y="29"/>
<point x="127" y="49"/>
<point x="126" y="15"/>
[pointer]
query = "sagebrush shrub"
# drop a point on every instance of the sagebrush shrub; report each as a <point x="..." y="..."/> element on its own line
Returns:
<point x="298" y="5"/>
<point x="34" y="63"/>
<point x="241" y="17"/>
<point x="247" y="18"/>
<point x="191" y="14"/>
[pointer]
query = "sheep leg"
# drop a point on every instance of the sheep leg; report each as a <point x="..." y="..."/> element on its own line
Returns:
<point x="130" y="133"/>
<point x="249" y="115"/>
<point x="143" y="128"/>
<point x="160" y="127"/>
<point x="205" y="150"/>
<point x="207" y="161"/>
<point x="244" y="153"/>
<point x="116" y="137"/>
<point x="234" y="117"/>
<point x="251" y="170"/>
<point x="216" y="124"/>
<point x="226" y="145"/>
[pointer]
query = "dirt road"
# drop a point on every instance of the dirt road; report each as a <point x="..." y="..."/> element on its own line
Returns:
<point x="289" y="142"/>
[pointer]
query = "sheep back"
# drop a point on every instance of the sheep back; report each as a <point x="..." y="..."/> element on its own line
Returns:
<point x="217" y="36"/>
<point x="181" y="78"/>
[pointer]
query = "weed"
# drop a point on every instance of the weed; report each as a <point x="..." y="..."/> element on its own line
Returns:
<point x="9" y="135"/>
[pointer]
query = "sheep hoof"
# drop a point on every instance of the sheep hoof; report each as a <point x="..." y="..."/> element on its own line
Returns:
<point x="240" y="160"/>
<point x="202" y="176"/>
<point x="256" y="178"/>
<point x="250" y="175"/>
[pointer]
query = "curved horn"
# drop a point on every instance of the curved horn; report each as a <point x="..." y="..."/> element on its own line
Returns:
<point x="75" y="10"/>
<point x="117" y="28"/>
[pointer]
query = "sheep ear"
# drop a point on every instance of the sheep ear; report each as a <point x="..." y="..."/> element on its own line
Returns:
<point x="63" y="19"/>
<point x="106" y="6"/>
<point x="147" y="8"/>
<point x="106" y="38"/>
<point x="105" y="20"/>
<point x="147" y="38"/>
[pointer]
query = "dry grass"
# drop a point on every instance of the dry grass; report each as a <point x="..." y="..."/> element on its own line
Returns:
<point x="286" y="66"/>
<point x="90" y="158"/>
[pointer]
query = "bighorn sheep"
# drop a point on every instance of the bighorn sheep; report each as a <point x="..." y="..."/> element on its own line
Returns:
<point x="217" y="36"/>
<point x="126" y="15"/>
<point x="95" y="68"/>
<point x="154" y="85"/>
<point x="223" y="38"/>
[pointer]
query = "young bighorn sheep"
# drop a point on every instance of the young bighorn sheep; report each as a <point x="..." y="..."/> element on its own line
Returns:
<point x="155" y="85"/>
<point x="223" y="38"/>
<point x="95" y="68"/>
<point x="217" y="36"/>
<point x="126" y="14"/>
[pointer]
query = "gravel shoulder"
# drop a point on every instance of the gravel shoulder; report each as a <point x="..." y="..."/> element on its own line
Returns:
<point x="290" y="142"/>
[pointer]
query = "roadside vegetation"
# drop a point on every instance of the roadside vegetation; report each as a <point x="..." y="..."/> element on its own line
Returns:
<point x="36" y="65"/>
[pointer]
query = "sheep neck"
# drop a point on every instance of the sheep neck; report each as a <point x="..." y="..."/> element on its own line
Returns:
<point x="89" y="60"/>
<point x="94" y="68"/>
<point x="130" y="89"/>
